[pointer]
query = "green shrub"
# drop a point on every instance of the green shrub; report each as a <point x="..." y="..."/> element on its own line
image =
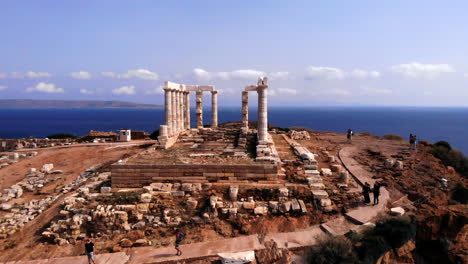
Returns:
<point x="331" y="250"/>
<point x="371" y="248"/>
<point x="444" y="144"/>
<point x="61" y="136"/>
<point x="460" y="193"/>
<point x="155" y="135"/>
<point x="451" y="157"/>
<point x="396" y="231"/>
<point x="393" y="137"/>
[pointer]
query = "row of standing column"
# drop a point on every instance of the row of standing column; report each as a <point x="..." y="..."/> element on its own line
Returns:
<point x="262" y="112"/>
<point x="214" y="108"/>
<point x="177" y="109"/>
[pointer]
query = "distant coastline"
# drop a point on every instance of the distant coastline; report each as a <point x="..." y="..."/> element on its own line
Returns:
<point x="74" y="104"/>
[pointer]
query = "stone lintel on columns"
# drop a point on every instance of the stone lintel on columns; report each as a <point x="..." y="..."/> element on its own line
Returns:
<point x="251" y="88"/>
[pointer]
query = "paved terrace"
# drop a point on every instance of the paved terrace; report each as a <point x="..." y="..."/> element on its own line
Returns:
<point x="291" y="240"/>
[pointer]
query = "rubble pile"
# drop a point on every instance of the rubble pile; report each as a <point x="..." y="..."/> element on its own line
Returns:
<point x="156" y="206"/>
<point x="20" y="214"/>
<point x="299" y="135"/>
<point x="6" y="160"/>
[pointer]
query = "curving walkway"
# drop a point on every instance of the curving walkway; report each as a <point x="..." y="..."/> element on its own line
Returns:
<point x="353" y="220"/>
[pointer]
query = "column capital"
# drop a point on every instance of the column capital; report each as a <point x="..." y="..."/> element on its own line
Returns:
<point x="214" y="92"/>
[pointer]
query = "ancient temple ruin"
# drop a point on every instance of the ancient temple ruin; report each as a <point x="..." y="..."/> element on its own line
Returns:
<point x="177" y="110"/>
<point x="211" y="154"/>
<point x="177" y="113"/>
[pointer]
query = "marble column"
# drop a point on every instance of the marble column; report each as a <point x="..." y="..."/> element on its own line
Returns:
<point x="174" y="112"/>
<point x="262" y="114"/>
<point x="245" y="110"/>
<point x="178" y="111"/>
<point x="182" y="111"/>
<point x="168" y="110"/>
<point x="163" y="131"/>
<point x="199" y="100"/>
<point x="187" y="109"/>
<point x="214" y="108"/>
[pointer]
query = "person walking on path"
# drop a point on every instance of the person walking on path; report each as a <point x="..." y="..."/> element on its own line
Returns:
<point x="365" y="191"/>
<point x="179" y="237"/>
<point x="349" y="136"/>
<point x="89" y="249"/>
<point x="376" y="191"/>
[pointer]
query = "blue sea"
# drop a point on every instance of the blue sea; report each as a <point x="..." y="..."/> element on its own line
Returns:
<point x="432" y="124"/>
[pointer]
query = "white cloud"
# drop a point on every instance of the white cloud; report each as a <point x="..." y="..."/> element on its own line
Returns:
<point x="3" y="87"/>
<point x="329" y="73"/>
<point x="109" y="74"/>
<point x="2" y="75"/>
<point x="375" y="91"/>
<point x="45" y="88"/>
<point x="125" y="90"/>
<point x="287" y="91"/>
<point x="465" y="75"/>
<point x="419" y="70"/>
<point x="83" y="75"/>
<point x="202" y="75"/>
<point x="157" y="90"/>
<point x="332" y="92"/>
<point x="138" y="73"/>
<point x="362" y="74"/>
<point x="282" y="75"/>
<point x="229" y="91"/>
<point x="30" y="75"/>
<point x="248" y="74"/>
<point x="86" y="91"/>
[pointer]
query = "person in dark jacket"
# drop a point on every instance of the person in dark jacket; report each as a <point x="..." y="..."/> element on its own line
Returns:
<point x="179" y="237"/>
<point x="376" y="191"/>
<point x="365" y="191"/>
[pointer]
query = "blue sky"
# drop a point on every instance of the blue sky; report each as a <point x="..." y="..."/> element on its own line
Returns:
<point x="314" y="52"/>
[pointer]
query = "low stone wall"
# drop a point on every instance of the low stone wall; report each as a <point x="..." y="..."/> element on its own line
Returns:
<point x="134" y="176"/>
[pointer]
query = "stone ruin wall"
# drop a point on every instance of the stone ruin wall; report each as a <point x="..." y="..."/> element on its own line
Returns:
<point x="137" y="176"/>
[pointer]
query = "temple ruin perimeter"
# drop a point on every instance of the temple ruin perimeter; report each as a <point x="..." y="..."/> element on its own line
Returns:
<point x="205" y="154"/>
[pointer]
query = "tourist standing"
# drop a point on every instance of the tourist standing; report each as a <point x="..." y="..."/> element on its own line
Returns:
<point x="365" y="191"/>
<point x="376" y="191"/>
<point x="179" y="237"/>
<point x="349" y="136"/>
<point x="415" y="142"/>
<point x="89" y="249"/>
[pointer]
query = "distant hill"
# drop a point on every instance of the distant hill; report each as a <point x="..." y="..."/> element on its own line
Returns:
<point x="27" y="103"/>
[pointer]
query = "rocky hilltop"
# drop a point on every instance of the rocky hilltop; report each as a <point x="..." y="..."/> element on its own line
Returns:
<point x="210" y="186"/>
